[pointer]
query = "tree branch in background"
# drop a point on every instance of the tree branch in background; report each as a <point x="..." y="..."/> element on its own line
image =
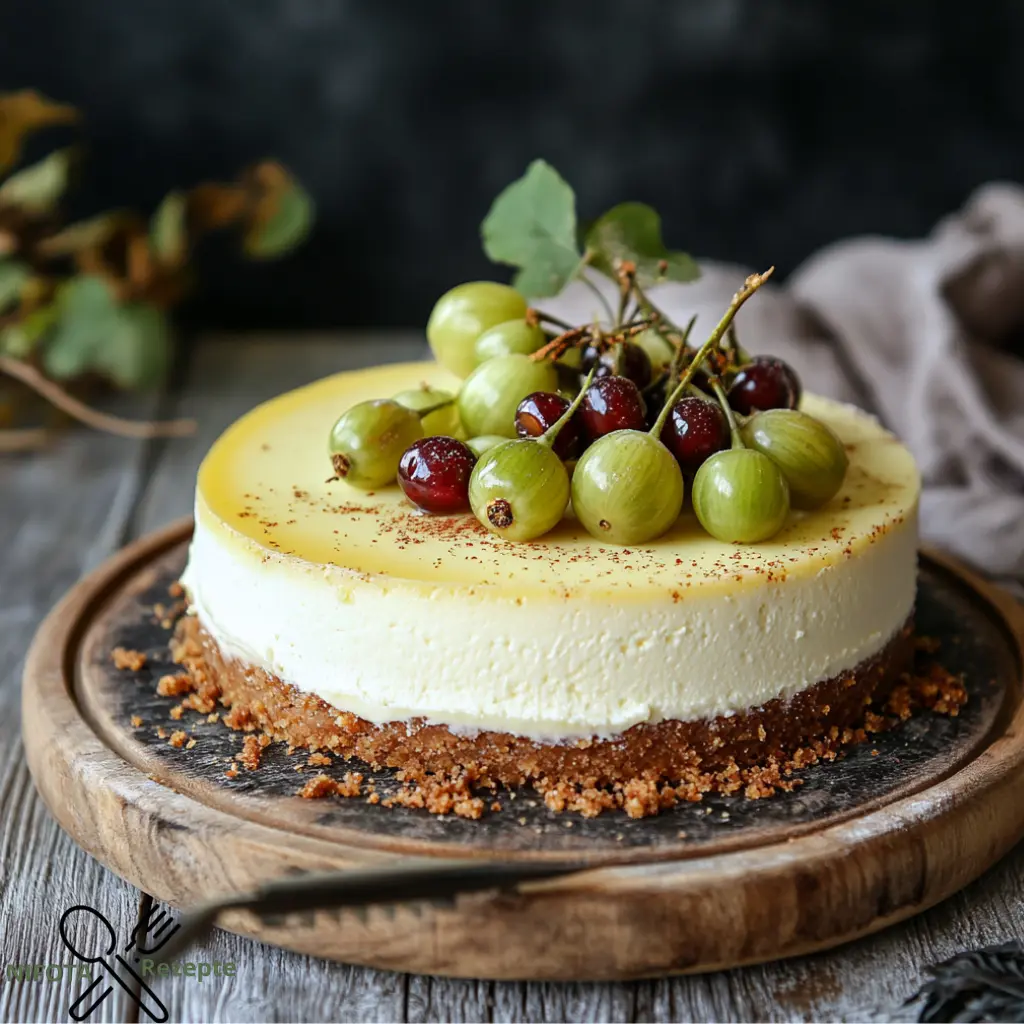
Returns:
<point x="58" y="397"/>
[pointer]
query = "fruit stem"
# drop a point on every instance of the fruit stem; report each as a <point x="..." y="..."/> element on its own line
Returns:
<point x="620" y="357"/>
<point x="649" y="307"/>
<point x="638" y="327"/>
<point x="424" y="413"/>
<point x="734" y="345"/>
<point x="548" y="318"/>
<point x="750" y="286"/>
<point x="550" y="436"/>
<point x="734" y="430"/>
<point x="626" y="281"/>
<point x="677" y="360"/>
<point x="556" y="346"/>
<point x="600" y="295"/>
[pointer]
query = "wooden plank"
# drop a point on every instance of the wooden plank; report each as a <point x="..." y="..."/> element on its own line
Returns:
<point x="447" y="999"/>
<point x="62" y="511"/>
<point x="866" y="980"/>
<point x="227" y="377"/>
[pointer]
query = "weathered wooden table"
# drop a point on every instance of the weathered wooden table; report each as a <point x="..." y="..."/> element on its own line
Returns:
<point x="63" y="512"/>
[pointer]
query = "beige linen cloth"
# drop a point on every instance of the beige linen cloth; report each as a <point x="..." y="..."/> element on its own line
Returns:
<point x="922" y="334"/>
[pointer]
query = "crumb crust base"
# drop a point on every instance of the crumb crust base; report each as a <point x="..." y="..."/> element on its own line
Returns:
<point x="831" y="711"/>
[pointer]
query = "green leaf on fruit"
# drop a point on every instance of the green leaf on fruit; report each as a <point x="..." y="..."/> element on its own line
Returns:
<point x="532" y="226"/>
<point x="632" y="232"/>
<point x="37" y="188"/>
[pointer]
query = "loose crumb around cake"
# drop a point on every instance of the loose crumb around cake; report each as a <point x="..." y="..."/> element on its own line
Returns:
<point x="321" y="786"/>
<point x="251" y="753"/>
<point x="173" y="686"/>
<point x="124" y="659"/>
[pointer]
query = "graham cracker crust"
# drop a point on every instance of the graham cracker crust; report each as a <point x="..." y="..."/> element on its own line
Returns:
<point x="755" y="751"/>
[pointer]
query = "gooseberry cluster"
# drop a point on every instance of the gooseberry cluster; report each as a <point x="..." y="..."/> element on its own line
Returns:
<point x="616" y="421"/>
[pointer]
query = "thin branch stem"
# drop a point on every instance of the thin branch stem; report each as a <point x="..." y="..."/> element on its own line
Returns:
<point x="551" y="434"/>
<point x="30" y="439"/>
<point x="734" y="345"/>
<point x="427" y="410"/>
<point x="649" y="307"/>
<point x="57" y="396"/>
<point x="600" y="295"/>
<point x="676" y="367"/>
<point x="556" y="346"/>
<point x="723" y="401"/>
<point x="750" y="286"/>
<point x="625" y="290"/>
<point x="636" y="328"/>
<point x="549" y="319"/>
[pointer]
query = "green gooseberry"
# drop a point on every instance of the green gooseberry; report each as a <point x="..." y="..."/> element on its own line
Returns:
<point x="810" y="456"/>
<point x="490" y="394"/>
<point x="627" y="488"/>
<point x="367" y="442"/>
<point x="484" y="443"/>
<point x="659" y="350"/>
<point x="508" y="338"/>
<point x="443" y="421"/>
<point x="740" y="496"/>
<point x="519" y="489"/>
<point x="461" y="315"/>
<point x="571" y="358"/>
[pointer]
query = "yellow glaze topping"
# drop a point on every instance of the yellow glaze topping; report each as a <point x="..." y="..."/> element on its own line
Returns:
<point x="267" y="479"/>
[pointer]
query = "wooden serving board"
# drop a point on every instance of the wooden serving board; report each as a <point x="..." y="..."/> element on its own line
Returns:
<point x="866" y="841"/>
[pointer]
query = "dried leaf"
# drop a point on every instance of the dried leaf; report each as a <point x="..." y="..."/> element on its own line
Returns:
<point x="213" y="206"/>
<point x="88" y="234"/>
<point x="38" y="187"/>
<point x="281" y="214"/>
<point x="22" y="113"/>
<point x="167" y="233"/>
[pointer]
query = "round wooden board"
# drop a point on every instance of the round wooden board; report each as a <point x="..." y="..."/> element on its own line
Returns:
<point x="866" y="841"/>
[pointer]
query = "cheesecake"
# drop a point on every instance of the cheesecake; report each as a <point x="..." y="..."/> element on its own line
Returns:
<point x="348" y="621"/>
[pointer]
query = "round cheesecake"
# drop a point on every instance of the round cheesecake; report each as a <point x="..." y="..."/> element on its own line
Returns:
<point x="345" y="620"/>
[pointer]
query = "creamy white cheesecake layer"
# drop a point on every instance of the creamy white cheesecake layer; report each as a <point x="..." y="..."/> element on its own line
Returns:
<point x="393" y="615"/>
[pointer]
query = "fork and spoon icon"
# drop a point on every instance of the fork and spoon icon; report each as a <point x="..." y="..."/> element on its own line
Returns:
<point x="155" y="927"/>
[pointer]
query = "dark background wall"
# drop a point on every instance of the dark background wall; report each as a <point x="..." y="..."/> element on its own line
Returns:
<point x="761" y="129"/>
